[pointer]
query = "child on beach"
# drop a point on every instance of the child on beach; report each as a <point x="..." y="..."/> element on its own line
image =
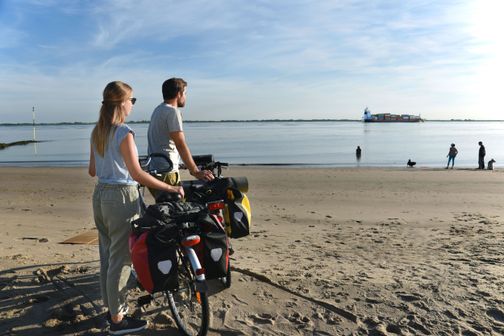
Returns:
<point x="114" y="159"/>
<point x="452" y="153"/>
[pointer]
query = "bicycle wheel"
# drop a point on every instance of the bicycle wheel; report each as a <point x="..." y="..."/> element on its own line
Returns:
<point x="189" y="307"/>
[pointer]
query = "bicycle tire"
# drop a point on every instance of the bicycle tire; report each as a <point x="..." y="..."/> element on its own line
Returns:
<point x="188" y="306"/>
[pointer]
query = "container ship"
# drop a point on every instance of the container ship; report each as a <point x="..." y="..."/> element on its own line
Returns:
<point x="388" y="117"/>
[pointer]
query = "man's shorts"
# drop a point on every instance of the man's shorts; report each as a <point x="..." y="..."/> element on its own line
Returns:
<point x="171" y="178"/>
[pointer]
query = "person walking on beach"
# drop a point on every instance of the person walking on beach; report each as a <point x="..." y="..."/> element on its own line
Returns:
<point x="358" y="153"/>
<point x="114" y="160"/>
<point x="452" y="153"/>
<point x="481" y="156"/>
<point x="166" y="134"/>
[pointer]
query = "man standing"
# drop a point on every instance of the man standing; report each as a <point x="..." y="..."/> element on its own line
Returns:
<point x="452" y="153"/>
<point x="166" y="135"/>
<point x="481" y="156"/>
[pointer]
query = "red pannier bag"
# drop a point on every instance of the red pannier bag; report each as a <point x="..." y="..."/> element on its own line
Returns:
<point x="155" y="261"/>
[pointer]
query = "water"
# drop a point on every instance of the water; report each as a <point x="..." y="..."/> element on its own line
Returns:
<point x="299" y="143"/>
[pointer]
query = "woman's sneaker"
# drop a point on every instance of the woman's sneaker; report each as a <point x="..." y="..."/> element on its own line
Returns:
<point x="123" y="310"/>
<point x="127" y="325"/>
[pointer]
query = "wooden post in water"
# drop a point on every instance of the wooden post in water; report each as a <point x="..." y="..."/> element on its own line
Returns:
<point x="34" y="135"/>
<point x="33" y="119"/>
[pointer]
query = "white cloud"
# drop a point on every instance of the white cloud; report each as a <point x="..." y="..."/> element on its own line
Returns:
<point x="262" y="59"/>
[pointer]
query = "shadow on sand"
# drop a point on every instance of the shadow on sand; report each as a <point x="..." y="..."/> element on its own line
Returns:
<point x="64" y="299"/>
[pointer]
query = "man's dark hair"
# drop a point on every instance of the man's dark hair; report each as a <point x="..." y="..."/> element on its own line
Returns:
<point x="172" y="86"/>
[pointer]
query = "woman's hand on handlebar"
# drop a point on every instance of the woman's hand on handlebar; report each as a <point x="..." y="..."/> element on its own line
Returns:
<point x="177" y="189"/>
<point x="205" y="175"/>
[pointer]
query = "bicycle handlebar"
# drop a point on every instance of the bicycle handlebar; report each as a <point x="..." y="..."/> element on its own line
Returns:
<point x="145" y="162"/>
<point x="204" y="162"/>
<point x="199" y="189"/>
<point x="201" y="160"/>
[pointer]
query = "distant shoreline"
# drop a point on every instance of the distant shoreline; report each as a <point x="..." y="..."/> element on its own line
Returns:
<point x="345" y="166"/>
<point x="77" y="123"/>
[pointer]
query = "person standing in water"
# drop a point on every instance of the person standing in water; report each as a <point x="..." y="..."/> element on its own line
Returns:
<point x="481" y="156"/>
<point x="452" y="153"/>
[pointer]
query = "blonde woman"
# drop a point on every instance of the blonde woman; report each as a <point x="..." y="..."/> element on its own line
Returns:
<point x="114" y="159"/>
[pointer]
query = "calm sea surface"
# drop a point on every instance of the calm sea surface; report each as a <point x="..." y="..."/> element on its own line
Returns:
<point x="302" y="143"/>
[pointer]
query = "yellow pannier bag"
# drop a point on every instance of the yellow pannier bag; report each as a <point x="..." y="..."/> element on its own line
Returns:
<point x="237" y="214"/>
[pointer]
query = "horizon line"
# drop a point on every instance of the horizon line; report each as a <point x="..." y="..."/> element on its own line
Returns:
<point x="234" y="120"/>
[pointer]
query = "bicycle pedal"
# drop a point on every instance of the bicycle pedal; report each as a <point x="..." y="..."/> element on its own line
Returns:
<point x="144" y="300"/>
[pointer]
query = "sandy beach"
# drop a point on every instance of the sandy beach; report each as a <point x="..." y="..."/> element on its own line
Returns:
<point x="342" y="251"/>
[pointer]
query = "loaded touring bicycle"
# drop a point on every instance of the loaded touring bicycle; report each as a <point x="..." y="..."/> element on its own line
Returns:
<point x="177" y="245"/>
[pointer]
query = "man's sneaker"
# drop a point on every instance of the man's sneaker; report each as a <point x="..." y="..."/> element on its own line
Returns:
<point x="127" y="325"/>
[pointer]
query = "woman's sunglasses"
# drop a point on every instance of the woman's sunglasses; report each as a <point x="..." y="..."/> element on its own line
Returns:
<point x="133" y="101"/>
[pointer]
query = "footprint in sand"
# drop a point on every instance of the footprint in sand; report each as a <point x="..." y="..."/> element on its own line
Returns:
<point x="419" y="327"/>
<point x="263" y="318"/>
<point x="379" y="327"/>
<point x="409" y="297"/>
<point x="496" y="314"/>
<point x="374" y="300"/>
<point x="298" y="318"/>
<point x="291" y="304"/>
<point x="237" y="298"/>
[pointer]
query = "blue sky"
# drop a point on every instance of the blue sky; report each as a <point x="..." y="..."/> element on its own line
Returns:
<point x="253" y="59"/>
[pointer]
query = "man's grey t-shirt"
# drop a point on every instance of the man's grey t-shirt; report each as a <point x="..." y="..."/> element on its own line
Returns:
<point x="164" y="119"/>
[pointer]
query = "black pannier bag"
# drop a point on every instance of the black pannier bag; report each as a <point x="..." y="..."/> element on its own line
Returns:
<point x="164" y="215"/>
<point x="214" y="190"/>
<point x="213" y="254"/>
<point x="213" y="249"/>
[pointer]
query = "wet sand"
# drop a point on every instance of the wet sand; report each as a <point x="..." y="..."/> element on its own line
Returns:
<point x="332" y="252"/>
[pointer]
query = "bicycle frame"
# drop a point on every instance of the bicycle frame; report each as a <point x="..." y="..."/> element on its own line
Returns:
<point x="187" y="243"/>
<point x="197" y="269"/>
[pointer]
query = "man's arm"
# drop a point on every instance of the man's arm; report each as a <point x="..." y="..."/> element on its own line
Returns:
<point x="179" y="140"/>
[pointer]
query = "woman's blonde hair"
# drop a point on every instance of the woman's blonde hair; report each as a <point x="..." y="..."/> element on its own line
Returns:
<point x="111" y="113"/>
